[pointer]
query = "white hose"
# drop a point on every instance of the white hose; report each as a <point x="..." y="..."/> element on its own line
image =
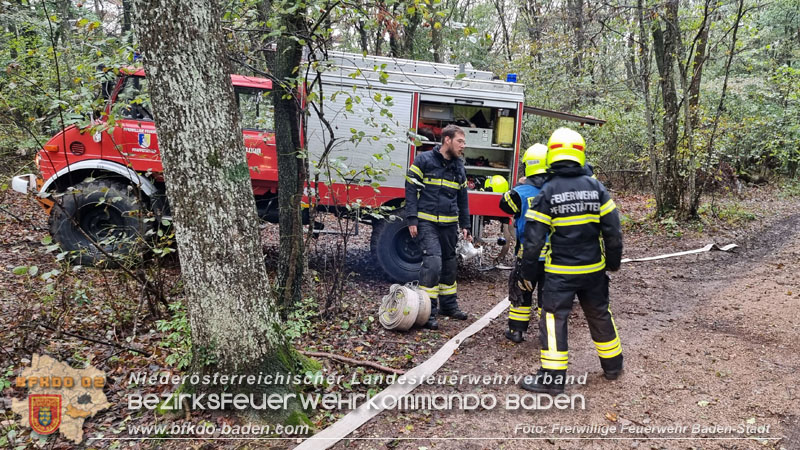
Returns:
<point x="399" y="309"/>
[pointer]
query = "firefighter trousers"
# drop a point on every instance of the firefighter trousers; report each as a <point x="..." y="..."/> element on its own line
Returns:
<point x="557" y="297"/>
<point x="519" y="314"/>
<point x="437" y="276"/>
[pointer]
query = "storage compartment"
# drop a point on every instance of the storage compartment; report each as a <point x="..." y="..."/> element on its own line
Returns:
<point x="479" y="136"/>
<point x="489" y="132"/>
<point x="438" y="112"/>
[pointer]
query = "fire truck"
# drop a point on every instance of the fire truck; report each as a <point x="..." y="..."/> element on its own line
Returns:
<point x="381" y="111"/>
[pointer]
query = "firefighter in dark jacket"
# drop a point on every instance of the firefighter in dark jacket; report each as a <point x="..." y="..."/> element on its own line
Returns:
<point x="516" y="202"/>
<point x="436" y="204"/>
<point x="575" y="210"/>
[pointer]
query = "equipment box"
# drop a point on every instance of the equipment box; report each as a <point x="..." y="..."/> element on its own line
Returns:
<point x="439" y="112"/>
<point x="478" y="137"/>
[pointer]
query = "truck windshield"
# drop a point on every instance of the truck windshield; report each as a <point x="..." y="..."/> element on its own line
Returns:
<point x="133" y="100"/>
<point x="256" y="111"/>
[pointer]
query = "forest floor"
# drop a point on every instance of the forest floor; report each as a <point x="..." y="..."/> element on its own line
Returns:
<point x="710" y="340"/>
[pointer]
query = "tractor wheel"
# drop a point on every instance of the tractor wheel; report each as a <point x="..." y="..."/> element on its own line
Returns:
<point x="100" y="214"/>
<point x="396" y="252"/>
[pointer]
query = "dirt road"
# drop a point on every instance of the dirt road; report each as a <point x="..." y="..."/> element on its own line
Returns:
<point x="710" y="341"/>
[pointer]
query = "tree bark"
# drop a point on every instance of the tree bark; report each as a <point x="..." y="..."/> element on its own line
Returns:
<point x="500" y="6"/>
<point x="694" y="71"/>
<point x="410" y="33"/>
<point x="291" y="165"/>
<point x="665" y="46"/>
<point x="644" y="74"/>
<point x="575" y="10"/>
<point x="233" y="316"/>
<point x="127" y="6"/>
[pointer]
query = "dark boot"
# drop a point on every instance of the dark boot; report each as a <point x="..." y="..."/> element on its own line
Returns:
<point x="432" y="323"/>
<point x="612" y="368"/>
<point x="455" y="314"/>
<point x="514" y="336"/>
<point x="545" y="382"/>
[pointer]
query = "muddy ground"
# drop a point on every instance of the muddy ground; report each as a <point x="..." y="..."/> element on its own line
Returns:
<point x="708" y="339"/>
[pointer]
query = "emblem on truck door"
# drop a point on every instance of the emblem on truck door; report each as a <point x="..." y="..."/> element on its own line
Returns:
<point x="144" y="140"/>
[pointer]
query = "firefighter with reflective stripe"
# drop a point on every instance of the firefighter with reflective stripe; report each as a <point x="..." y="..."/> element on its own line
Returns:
<point x="436" y="204"/>
<point x="575" y="211"/>
<point x="516" y="203"/>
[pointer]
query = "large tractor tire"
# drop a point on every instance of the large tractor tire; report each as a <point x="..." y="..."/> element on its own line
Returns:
<point x="100" y="214"/>
<point x="396" y="252"/>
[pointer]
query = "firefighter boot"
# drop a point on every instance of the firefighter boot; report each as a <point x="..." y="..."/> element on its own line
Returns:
<point x="432" y="323"/>
<point x="515" y="336"/>
<point x="455" y="314"/>
<point x="545" y="382"/>
<point x="612" y="367"/>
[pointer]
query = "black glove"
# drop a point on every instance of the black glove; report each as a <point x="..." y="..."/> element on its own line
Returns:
<point x="529" y="271"/>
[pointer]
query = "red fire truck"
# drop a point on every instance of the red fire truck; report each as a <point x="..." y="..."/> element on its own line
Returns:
<point x="382" y="110"/>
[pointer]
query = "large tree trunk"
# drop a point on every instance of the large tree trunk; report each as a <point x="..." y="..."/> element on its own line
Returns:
<point x="233" y="316"/>
<point x="665" y="46"/>
<point x="290" y="166"/>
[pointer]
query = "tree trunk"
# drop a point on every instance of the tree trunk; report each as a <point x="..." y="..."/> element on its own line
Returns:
<point x="695" y="72"/>
<point x="233" y="316"/>
<point x="291" y="165"/>
<point x="127" y="6"/>
<point x="363" y="37"/>
<point x="436" y="36"/>
<point x="500" y="6"/>
<point x="665" y="46"/>
<point x="575" y="8"/>
<point x="410" y="33"/>
<point x="644" y="74"/>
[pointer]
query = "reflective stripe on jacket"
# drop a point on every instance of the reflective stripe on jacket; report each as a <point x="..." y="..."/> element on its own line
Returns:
<point x="574" y="210"/>
<point x="436" y="190"/>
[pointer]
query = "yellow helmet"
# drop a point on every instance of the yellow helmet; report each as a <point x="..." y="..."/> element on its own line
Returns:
<point x="566" y="145"/>
<point x="496" y="183"/>
<point x="535" y="160"/>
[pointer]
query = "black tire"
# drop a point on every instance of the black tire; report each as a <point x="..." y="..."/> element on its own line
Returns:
<point x="393" y="248"/>
<point x="106" y="212"/>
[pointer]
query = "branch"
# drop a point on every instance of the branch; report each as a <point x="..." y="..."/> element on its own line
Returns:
<point x="354" y="362"/>
<point x="96" y="341"/>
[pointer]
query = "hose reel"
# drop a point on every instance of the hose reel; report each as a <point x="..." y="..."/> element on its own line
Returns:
<point x="404" y="307"/>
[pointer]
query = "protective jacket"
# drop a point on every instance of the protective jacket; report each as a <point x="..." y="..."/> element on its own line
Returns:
<point x="574" y="210"/>
<point x="436" y="190"/>
<point x="517" y="201"/>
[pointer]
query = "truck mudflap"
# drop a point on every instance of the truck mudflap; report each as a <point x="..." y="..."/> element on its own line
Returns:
<point x="24" y="184"/>
<point x="31" y="184"/>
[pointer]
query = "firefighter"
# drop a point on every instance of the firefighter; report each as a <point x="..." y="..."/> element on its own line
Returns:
<point x="575" y="210"/>
<point x="516" y="203"/>
<point x="436" y="204"/>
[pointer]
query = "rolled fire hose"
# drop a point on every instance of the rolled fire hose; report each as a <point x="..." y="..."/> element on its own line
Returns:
<point x="404" y="307"/>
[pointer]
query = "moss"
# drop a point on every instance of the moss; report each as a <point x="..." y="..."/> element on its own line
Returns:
<point x="299" y="418"/>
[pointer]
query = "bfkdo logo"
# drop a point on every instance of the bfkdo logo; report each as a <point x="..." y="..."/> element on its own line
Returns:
<point x="44" y="413"/>
<point x="59" y="398"/>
